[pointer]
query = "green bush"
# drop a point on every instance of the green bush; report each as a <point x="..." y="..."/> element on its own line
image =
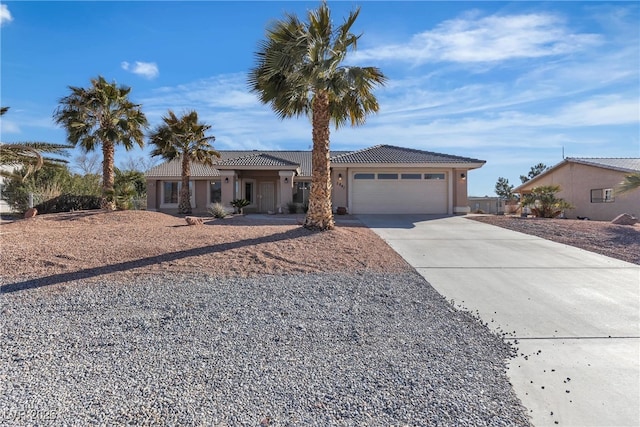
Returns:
<point x="293" y="207"/>
<point x="544" y="203"/>
<point x="239" y="204"/>
<point x="67" y="203"/>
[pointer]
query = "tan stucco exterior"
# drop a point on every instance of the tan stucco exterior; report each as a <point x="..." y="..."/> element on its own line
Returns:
<point x="577" y="181"/>
<point x="273" y="181"/>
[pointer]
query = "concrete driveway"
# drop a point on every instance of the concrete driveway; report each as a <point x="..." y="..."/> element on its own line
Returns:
<point x="573" y="315"/>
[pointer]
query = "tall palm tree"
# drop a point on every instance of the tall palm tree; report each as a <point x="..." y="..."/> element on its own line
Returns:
<point x="299" y="72"/>
<point x="184" y="138"/>
<point x="29" y="156"/>
<point x="102" y="114"/>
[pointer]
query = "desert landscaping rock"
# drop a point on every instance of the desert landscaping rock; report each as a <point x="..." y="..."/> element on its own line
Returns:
<point x="625" y="219"/>
<point x="301" y="349"/>
<point x="193" y="220"/>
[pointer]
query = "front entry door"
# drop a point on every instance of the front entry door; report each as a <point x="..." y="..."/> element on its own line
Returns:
<point x="267" y="197"/>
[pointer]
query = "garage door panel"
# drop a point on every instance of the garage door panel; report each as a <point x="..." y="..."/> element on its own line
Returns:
<point x="399" y="196"/>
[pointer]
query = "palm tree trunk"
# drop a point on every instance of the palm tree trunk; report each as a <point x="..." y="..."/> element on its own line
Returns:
<point x="185" y="195"/>
<point x="320" y="214"/>
<point x="108" y="194"/>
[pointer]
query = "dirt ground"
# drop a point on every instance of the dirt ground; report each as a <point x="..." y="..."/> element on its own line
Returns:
<point x="69" y="246"/>
<point x="93" y="243"/>
<point x="616" y="241"/>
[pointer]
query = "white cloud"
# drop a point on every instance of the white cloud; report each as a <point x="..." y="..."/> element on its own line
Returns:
<point x="148" y="70"/>
<point x="489" y="39"/>
<point x="5" y="15"/>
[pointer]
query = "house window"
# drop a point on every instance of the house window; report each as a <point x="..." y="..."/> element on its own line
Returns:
<point x="171" y="194"/>
<point x="248" y="191"/>
<point x="215" y="192"/>
<point x="602" y="195"/>
<point x="411" y="176"/>
<point x="301" y="192"/>
<point x="438" y="176"/>
<point x="364" y="176"/>
<point x="387" y="176"/>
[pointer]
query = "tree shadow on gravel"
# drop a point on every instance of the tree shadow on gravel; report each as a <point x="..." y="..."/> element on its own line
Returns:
<point x="88" y="273"/>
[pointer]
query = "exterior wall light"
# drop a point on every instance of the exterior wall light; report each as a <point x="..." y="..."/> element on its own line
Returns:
<point x="226" y="180"/>
<point x="463" y="176"/>
<point x="286" y="179"/>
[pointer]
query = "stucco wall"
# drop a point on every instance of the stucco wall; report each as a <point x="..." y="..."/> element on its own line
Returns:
<point x="576" y="182"/>
<point x="460" y="200"/>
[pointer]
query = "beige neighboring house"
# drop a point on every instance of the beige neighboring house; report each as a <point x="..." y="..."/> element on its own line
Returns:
<point x="589" y="185"/>
<point x="380" y="179"/>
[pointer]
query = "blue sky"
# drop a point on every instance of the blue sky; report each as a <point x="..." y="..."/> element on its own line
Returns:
<point x="512" y="83"/>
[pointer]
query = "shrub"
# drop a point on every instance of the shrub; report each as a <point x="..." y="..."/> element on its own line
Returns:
<point x="239" y="204"/>
<point x="217" y="210"/>
<point x="67" y="203"/>
<point x="544" y="203"/>
<point x="292" y="207"/>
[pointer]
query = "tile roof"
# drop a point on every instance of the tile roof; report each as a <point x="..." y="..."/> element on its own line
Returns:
<point x="372" y="155"/>
<point x="261" y="159"/>
<point x="173" y="168"/>
<point x="392" y="154"/>
<point x="622" y="164"/>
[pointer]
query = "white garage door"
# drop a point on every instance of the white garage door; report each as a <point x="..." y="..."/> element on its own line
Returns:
<point x="399" y="192"/>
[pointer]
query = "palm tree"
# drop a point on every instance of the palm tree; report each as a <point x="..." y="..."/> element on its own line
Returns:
<point x="631" y="182"/>
<point x="29" y="155"/>
<point x="298" y="72"/>
<point x="184" y="138"/>
<point x="102" y="115"/>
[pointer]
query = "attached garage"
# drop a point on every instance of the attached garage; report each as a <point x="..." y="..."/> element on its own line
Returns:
<point x="396" y="192"/>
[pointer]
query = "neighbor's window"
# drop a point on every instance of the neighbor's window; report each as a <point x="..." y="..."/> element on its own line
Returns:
<point x="215" y="191"/>
<point x="602" y="195"/>
<point x="387" y="176"/>
<point x="433" y="176"/>
<point x="364" y="176"/>
<point x="301" y="194"/>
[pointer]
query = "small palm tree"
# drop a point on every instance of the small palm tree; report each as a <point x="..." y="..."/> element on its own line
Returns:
<point x="299" y="71"/>
<point x="102" y="115"/>
<point x="28" y="156"/>
<point x="184" y="138"/>
<point x="631" y="182"/>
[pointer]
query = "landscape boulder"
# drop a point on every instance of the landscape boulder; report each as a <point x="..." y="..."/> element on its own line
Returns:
<point x="30" y="213"/>
<point x="624" y="219"/>
<point x="192" y="220"/>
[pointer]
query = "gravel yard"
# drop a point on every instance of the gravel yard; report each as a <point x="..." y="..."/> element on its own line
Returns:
<point x="135" y="318"/>
<point x="305" y="349"/>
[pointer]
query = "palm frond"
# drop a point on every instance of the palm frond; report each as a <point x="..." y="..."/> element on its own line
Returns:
<point x="630" y="183"/>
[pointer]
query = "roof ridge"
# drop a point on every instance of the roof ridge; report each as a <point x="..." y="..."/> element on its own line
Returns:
<point x="358" y="151"/>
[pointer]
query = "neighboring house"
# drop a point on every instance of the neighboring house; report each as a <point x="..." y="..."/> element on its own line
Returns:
<point x="589" y="185"/>
<point x="379" y="179"/>
<point x="486" y="204"/>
